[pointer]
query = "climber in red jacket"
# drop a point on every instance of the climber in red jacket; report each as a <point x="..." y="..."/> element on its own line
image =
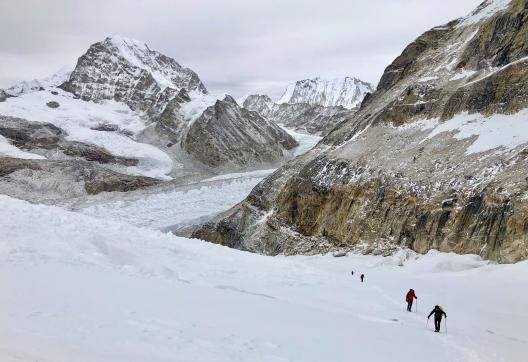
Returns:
<point x="410" y="298"/>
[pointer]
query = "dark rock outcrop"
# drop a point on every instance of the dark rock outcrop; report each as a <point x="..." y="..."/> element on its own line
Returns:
<point x="53" y="104"/>
<point x="3" y="95"/>
<point x="227" y="135"/>
<point x="45" y="136"/>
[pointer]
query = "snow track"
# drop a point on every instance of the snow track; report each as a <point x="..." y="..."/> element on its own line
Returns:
<point x="77" y="288"/>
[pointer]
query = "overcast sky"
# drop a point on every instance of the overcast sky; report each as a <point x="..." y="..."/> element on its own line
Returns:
<point x="236" y="46"/>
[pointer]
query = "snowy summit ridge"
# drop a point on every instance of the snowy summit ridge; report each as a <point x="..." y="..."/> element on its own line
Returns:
<point x="347" y="92"/>
<point x="166" y="71"/>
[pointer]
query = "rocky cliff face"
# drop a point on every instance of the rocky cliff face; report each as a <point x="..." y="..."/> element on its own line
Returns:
<point x="303" y="117"/>
<point x="435" y="158"/>
<point x="228" y="135"/>
<point x="346" y="92"/>
<point x="128" y="71"/>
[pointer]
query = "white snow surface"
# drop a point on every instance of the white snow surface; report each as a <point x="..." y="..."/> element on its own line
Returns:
<point x="77" y="117"/>
<point x="76" y="288"/>
<point x="500" y="131"/>
<point x="347" y="92"/>
<point x="8" y="150"/>
<point x="488" y="9"/>
<point x="199" y="103"/>
<point x="61" y="76"/>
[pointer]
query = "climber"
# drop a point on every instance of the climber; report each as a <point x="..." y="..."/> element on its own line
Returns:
<point x="410" y="299"/>
<point x="438" y="313"/>
<point x="362" y="277"/>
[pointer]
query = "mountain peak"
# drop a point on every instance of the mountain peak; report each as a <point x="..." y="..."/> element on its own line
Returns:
<point x="122" y="40"/>
<point x="127" y="70"/>
<point x="347" y="92"/>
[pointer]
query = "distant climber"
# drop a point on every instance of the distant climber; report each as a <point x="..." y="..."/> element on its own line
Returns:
<point x="411" y="296"/>
<point x="362" y="277"/>
<point x="438" y="313"/>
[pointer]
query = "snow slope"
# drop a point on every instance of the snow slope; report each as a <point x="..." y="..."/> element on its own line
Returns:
<point x="75" y="288"/>
<point x="487" y="9"/>
<point x="77" y="117"/>
<point x="499" y="131"/>
<point x="34" y="85"/>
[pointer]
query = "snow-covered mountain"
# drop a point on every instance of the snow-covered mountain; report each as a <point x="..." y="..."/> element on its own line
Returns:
<point x="128" y="71"/>
<point x="260" y="103"/>
<point x="434" y="159"/>
<point x="303" y="117"/>
<point x="136" y="112"/>
<point x="314" y="106"/>
<point x="347" y="92"/>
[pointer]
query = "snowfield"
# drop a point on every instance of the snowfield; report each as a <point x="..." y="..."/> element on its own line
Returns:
<point x="77" y="288"/>
<point x="78" y="117"/>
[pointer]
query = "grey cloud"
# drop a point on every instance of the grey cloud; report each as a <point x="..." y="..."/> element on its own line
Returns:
<point x="236" y="46"/>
